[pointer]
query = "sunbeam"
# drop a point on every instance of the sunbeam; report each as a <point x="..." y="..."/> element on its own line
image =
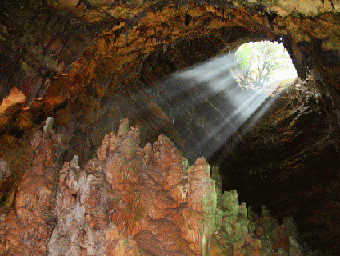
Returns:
<point x="244" y="108"/>
<point x="207" y="103"/>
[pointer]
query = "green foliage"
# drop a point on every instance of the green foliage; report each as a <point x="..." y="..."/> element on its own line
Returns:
<point x="256" y="63"/>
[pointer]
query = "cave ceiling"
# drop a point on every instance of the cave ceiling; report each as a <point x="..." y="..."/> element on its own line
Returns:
<point x="55" y="53"/>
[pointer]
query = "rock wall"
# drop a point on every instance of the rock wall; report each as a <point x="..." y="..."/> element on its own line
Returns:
<point x="133" y="201"/>
<point x="139" y="44"/>
<point x="38" y="44"/>
<point x="41" y="49"/>
<point x="88" y="64"/>
<point x="289" y="161"/>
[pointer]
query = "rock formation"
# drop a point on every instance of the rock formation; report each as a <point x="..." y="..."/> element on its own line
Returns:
<point x="298" y="149"/>
<point x="88" y="64"/>
<point x="133" y="201"/>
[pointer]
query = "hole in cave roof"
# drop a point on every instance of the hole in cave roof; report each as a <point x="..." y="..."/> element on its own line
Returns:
<point x="263" y="66"/>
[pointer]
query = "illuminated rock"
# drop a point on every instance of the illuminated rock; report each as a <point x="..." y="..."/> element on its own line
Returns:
<point x="83" y="64"/>
<point x="139" y="209"/>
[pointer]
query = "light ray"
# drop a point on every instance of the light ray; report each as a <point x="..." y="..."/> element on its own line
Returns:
<point x="208" y="106"/>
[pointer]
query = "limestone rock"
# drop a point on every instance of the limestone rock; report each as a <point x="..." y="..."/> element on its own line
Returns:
<point x="48" y="127"/>
<point x="30" y="223"/>
<point x="4" y="171"/>
<point x="132" y="200"/>
<point x="91" y="63"/>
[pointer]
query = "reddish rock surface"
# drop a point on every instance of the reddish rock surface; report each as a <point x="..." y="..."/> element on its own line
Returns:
<point x="30" y="223"/>
<point x="63" y="63"/>
<point x="131" y="201"/>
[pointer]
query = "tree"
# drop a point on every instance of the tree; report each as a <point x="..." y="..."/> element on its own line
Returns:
<point x="256" y="63"/>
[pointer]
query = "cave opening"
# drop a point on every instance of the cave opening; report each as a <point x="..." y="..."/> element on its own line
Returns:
<point x="263" y="65"/>
<point x="265" y="139"/>
<point x="276" y="147"/>
<point x="283" y="156"/>
<point x="214" y="103"/>
<point x="210" y="101"/>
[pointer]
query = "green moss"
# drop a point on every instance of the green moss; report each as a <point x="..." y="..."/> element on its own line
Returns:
<point x="251" y="226"/>
<point x="291" y="230"/>
<point x="209" y="201"/>
<point x="243" y="210"/>
<point x="2" y="38"/>
<point x="51" y="2"/>
<point x="332" y="43"/>
<point x="185" y="164"/>
<point x="218" y="185"/>
<point x="207" y="168"/>
<point x="228" y="226"/>
<point x="265" y="212"/>
<point x="207" y="225"/>
<point x="11" y="196"/>
<point x="230" y="202"/>
<point x="218" y="220"/>
<point x="125" y="242"/>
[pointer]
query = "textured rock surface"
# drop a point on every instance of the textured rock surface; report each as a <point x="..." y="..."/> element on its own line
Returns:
<point x="30" y="223"/>
<point x="133" y="201"/>
<point x="4" y="171"/>
<point x="290" y="152"/>
<point x="64" y="64"/>
<point x="99" y="85"/>
<point x="38" y="55"/>
<point x="96" y="93"/>
<point x="37" y="44"/>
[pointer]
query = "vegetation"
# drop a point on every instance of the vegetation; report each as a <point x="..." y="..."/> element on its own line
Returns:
<point x="259" y="64"/>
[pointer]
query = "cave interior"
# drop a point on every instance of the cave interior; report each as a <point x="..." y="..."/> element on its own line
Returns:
<point x="88" y="66"/>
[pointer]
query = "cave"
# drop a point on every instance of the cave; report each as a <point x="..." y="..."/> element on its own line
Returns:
<point x="94" y="115"/>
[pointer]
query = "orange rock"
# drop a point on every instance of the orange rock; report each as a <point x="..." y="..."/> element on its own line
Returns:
<point x="128" y="199"/>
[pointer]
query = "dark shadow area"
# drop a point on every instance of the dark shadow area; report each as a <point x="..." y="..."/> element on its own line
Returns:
<point x="207" y="106"/>
<point x="288" y="162"/>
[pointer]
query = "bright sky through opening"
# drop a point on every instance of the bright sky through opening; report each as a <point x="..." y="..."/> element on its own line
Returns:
<point x="264" y="63"/>
<point x="210" y="97"/>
